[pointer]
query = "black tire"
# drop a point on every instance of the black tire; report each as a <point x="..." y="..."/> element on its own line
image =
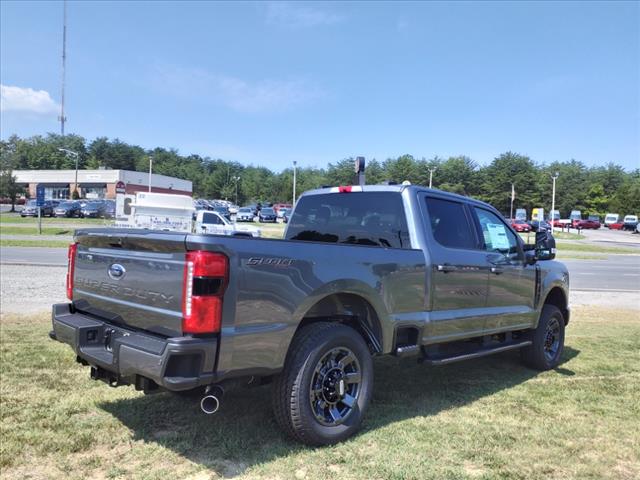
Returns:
<point x="315" y="346"/>
<point x="548" y="341"/>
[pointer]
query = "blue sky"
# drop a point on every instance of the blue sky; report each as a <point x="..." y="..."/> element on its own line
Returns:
<point x="269" y="83"/>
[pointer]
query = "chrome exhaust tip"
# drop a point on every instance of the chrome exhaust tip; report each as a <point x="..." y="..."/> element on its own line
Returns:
<point x="209" y="404"/>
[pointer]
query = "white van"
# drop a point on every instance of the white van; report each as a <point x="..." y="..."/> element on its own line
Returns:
<point x="212" y="222"/>
<point x="610" y="218"/>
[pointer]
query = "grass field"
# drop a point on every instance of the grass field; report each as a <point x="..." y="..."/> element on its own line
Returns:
<point x="33" y="230"/>
<point x="490" y="418"/>
<point x="6" y="217"/>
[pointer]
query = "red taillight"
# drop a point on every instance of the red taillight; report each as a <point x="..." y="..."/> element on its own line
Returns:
<point x="344" y="189"/>
<point x="205" y="278"/>
<point x="71" y="267"/>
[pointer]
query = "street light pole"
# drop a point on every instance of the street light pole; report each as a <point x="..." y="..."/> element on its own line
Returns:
<point x="295" y="163"/>
<point x="66" y="151"/>
<point x="553" y="199"/>
<point x="150" y="170"/>
<point x="431" y="170"/>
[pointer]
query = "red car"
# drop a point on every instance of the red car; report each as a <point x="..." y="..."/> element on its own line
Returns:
<point x="520" y="226"/>
<point x="588" y="224"/>
<point x="619" y="225"/>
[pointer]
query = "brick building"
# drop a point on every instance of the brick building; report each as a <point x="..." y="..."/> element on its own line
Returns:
<point x="60" y="184"/>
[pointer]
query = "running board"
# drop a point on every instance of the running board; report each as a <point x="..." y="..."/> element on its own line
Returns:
<point x="477" y="354"/>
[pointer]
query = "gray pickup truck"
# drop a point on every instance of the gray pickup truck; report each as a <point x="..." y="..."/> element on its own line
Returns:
<point x="362" y="271"/>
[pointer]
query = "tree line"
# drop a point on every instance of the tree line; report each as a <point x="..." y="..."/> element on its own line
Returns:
<point x="593" y="190"/>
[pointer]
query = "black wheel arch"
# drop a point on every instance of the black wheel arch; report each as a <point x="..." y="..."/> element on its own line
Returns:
<point x="349" y="309"/>
<point x="558" y="299"/>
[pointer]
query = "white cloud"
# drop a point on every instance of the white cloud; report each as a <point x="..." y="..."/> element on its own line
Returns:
<point x="241" y="95"/>
<point x="293" y="15"/>
<point x="26" y="100"/>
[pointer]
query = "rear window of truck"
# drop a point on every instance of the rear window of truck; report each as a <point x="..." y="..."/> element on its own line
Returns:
<point x="359" y="218"/>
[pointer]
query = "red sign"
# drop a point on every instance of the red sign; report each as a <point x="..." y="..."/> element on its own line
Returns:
<point x="120" y="187"/>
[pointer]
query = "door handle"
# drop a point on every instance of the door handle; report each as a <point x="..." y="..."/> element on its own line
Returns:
<point x="497" y="270"/>
<point x="447" y="268"/>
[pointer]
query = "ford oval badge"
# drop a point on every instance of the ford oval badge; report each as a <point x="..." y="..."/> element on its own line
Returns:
<point x="116" y="271"/>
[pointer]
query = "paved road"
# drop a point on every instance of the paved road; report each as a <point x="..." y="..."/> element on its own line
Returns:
<point x="33" y="256"/>
<point x="617" y="273"/>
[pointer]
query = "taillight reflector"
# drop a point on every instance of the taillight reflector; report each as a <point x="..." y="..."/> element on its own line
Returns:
<point x="71" y="267"/>
<point x="202" y="313"/>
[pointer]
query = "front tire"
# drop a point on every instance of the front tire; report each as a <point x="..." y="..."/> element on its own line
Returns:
<point x="323" y="392"/>
<point x="548" y="340"/>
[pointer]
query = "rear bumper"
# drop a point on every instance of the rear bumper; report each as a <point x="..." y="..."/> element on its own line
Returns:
<point x="121" y="356"/>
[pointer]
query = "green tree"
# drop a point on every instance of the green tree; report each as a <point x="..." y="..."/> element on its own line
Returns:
<point x="507" y="169"/>
<point x="8" y="186"/>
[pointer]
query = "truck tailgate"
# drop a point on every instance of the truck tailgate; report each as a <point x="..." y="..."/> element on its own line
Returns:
<point x="133" y="278"/>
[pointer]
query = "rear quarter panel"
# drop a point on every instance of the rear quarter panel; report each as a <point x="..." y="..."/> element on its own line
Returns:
<point x="274" y="283"/>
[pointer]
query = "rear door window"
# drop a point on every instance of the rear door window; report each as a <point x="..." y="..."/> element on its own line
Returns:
<point x="449" y="224"/>
<point x="360" y="218"/>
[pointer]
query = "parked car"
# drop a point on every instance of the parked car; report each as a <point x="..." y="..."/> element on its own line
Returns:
<point x="109" y="209"/>
<point x="245" y="214"/>
<point x="67" y="209"/>
<point x="610" y="218"/>
<point x="93" y="209"/>
<point x="31" y="209"/>
<point x="630" y="222"/>
<point x="520" y="225"/>
<point x="575" y="217"/>
<point x="204" y="313"/>
<point x="282" y="212"/>
<point x="278" y="206"/>
<point x="267" y="214"/>
<point x="587" y="224"/>
<point x="222" y="210"/>
<point x="540" y="226"/>
<point x="619" y="225"/>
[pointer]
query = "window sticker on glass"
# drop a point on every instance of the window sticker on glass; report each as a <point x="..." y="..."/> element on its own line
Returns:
<point x="498" y="236"/>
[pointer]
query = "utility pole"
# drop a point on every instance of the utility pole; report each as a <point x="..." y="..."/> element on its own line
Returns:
<point x="150" y="170"/>
<point x="553" y="199"/>
<point x="431" y="170"/>
<point x="62" y="118"/>
<point x="236" y="180"/>
<point x="295" y="163"/>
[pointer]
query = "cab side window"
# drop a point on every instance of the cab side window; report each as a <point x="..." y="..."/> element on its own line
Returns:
<point x="495" y="234"/>
<point x="449" y="224"/>
<point x="211" y="219"/>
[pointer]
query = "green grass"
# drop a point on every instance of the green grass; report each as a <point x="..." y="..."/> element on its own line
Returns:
<point x="9" y="242"/>
<point x="491" y="418"/>
<point x="564" y="255"/>
<point x="272" y="230"/>
<point x="6" y="217"/>
<point x="33" y="230"/>
<point x="531" y="236"/>
<point x="582" y="247"/>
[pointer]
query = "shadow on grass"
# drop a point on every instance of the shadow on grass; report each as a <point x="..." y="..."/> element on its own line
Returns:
<point x="244" y="433"/>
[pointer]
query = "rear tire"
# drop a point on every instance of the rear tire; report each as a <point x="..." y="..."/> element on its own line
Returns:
<point x="548" y="341"/>
<point x="323" y="392"/>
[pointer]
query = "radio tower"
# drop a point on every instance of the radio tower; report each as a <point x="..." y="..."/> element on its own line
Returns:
<point x="62" y="118"/>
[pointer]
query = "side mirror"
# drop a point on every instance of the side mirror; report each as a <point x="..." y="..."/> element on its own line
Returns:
<point x="545" y="245"/>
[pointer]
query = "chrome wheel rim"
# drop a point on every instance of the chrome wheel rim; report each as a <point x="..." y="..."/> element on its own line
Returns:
<point x="335" y="386"/>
